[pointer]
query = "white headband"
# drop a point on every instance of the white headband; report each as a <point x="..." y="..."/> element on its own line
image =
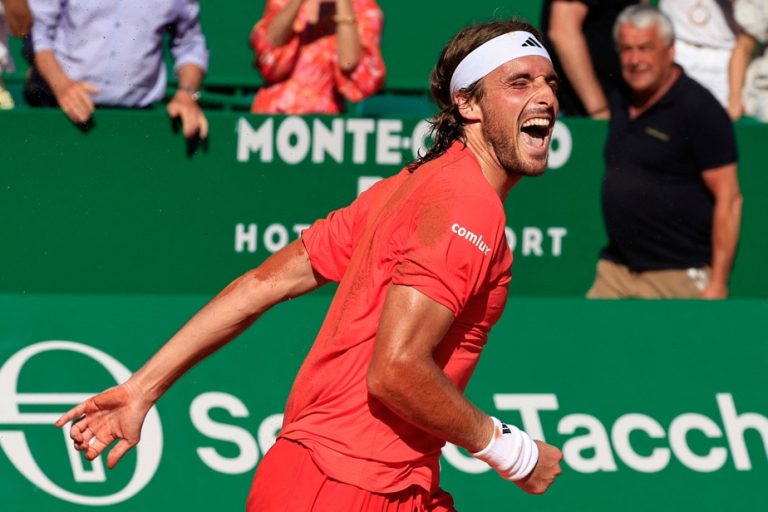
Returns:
<point x="492" y="54"/>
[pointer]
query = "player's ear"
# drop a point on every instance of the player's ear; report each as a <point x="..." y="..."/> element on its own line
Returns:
<point x="468" y="107"/>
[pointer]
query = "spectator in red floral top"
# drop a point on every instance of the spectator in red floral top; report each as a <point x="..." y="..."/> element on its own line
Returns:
<point x="315" y="53"/>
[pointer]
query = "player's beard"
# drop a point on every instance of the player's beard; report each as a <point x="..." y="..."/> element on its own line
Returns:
<point x="504" y="145"/>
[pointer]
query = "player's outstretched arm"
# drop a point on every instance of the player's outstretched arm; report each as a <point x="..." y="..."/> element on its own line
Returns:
<point x="118" y="413"/>
<point x="403" y="375"/>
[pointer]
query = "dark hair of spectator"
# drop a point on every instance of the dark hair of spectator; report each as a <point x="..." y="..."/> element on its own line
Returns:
<point x="447" y="125"/>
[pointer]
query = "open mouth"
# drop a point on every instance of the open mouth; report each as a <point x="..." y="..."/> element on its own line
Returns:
<point x="535" y="132"/>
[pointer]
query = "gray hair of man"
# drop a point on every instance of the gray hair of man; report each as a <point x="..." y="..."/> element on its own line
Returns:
<point x="645" y="16"/>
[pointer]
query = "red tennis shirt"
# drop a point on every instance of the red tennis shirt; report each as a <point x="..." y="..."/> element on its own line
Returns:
<point x="440" y="230"/>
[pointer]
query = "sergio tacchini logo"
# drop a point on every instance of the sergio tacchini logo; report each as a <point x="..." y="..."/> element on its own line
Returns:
<point x="14" y="442"/>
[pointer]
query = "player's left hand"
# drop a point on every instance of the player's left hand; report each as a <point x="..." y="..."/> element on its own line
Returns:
<point x="193" y="122"/>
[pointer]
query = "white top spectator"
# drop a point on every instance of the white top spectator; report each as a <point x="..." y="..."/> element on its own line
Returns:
<point x="705" y="35"/>
<point x="700" y="22"/>
<point x="752" y="16"/>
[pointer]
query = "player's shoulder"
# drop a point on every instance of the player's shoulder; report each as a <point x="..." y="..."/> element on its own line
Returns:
<point x="458" y="207"/>
<point x="457" y="175"/>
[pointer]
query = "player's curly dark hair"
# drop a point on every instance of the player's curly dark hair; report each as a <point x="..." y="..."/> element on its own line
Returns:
<point x="447" y="125"/>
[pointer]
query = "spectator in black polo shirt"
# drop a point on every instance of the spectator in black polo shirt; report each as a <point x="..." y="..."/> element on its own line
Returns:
<point x="671" y="199"/>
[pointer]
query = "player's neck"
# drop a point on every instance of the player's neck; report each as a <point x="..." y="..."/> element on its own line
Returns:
<point x="499" y="179"/>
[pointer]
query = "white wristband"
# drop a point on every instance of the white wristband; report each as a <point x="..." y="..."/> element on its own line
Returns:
<point x="511" y="452"/>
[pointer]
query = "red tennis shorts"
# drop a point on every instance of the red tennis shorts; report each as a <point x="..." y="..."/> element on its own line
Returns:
<point x="287" y="480"/>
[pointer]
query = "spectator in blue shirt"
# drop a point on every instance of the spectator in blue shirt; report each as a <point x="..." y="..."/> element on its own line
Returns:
<point x="110" y="53"/>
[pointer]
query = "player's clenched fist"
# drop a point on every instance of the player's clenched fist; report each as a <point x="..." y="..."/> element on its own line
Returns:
<point x="532" y="465"/>
<point x="545" y="471"/>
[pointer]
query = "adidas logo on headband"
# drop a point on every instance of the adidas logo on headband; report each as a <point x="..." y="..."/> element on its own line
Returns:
<point x="492" y="54"/>
<point x="532" y="42"/>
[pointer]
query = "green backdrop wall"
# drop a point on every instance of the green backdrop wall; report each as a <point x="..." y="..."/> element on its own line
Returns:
<point x="112" y="237"/>
<point x="122" y="209"/>
<point x="657" y="405"/>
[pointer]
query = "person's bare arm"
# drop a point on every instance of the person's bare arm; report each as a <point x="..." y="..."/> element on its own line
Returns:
<point x="723" y="182"/>
<point x="18" y="16"/>
<point x="348" y="45"/>
<point x="737" y="70"/>
<point x="73" y="97"/>
<point x="280" y="28"/>
<point x="404" y="376"/>
<point x="184" y="103"/>
<point x="411" y="327"/>
<point x="119" y="412"/>
<point x="565" y="32"/>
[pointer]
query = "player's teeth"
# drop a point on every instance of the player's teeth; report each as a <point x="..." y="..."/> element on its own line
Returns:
<point x="536" y="122"/>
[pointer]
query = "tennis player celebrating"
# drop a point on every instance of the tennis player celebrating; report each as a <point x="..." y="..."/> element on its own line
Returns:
<point x="423" y="268"/>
